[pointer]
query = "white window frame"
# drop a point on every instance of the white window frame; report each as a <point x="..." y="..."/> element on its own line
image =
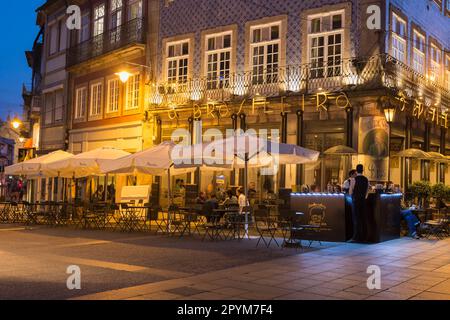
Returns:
<point x="419" y="57"/>
<point x="113" y="96"/>
<point x="265" y="71"/>
<point x="137" y="3"/>
<point x="96" y="97"/>
<point x="398" y="42"/>
<point x="326" y="70"/>
<point x="99" y="20"/>
<point x="133" y="92"/>
<point x="435" y="63"/>
<point x="219" y="76"/>
<point x="81" y="99"/>
<point x="177" y="77"/>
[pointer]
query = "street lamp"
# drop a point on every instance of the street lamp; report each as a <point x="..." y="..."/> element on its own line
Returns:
<point x="16" y="123"/>
<point x="389" y="113"/>
<point x="124" y="76"/>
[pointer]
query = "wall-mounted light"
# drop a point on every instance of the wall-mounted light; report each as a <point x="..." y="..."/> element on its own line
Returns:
<point x="124" y="76"/>
<point x="389" y="113"/>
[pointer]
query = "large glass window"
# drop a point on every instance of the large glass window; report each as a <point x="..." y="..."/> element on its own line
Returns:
<point x="113" y="96"/>
<point x="218" y="60"/>
<point x="265" y="53"/>
<point x="177" y="62"/>
<point x="115" y="20"/>
<point x="99" y="19"/>
<point x="135" y="9"/>
<point x="419" y="53"/>
<point x="326" y="35"/>
<point x="435" y="63"/>
<point x="398" y="38"/>
<point x="80" y="102"/>
<point x="96" y="99"/>
<point x="133" y="86"/>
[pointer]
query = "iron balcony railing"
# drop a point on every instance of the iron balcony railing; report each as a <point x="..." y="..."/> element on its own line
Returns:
<point x="126" y="34"/>
<point x="379" y="71"/>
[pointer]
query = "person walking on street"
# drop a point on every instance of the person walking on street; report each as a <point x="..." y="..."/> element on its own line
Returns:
<point x="359" y="191"/>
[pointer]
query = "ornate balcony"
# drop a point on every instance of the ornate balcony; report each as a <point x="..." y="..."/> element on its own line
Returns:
<point x="128" y="34"/>
<point x="376" y="72"/>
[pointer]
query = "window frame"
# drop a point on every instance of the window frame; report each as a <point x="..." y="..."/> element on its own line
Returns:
<point x="396" y="36"/>
<point x="419" y="52"/>
<point x="132" y="81"/>
<point x="108" y="109"/>
<point x="218" y="82"/>
<point x="265" y="77"/>
<point x="77" y="115"/>
<point x="177" y="59"/>
<point x="326" y="44"/>
<point x="91" y="99"/>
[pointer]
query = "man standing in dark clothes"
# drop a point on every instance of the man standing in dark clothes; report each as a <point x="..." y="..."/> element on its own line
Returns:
<point x="359" y="191"/>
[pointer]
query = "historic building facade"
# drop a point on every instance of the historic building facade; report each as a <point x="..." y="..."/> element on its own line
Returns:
<point x="314" y="71"/>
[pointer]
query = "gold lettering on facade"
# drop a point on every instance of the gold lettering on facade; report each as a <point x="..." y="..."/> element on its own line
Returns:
<point x="197" y="112"/>
<point x="345" y="101"/>
<point x="321" y="105"/>
<point x="402" y="99"/>
<point x="418" y="109"/>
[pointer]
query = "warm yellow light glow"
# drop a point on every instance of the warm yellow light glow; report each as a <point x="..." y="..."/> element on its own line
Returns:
<point x="21" y="139"/>
<point x="124" y="76"/>
<point x="389" y="113"/>
<point x="16" y="123"/>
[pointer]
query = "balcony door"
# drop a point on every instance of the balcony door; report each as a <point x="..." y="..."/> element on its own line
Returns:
<point x="99" y="28"/>
<point x="115" y="20"/>
<point x="134" y="18"/>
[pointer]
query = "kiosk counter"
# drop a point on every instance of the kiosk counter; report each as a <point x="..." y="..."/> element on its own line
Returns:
<point x="335" y="211"/>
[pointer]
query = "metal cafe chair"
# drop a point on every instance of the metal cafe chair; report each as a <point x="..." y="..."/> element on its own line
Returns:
<point x="312" y="229"/>
<point x="214" y="228"/>
<point x="266" y="226"/>
<point x="30" y="213"/>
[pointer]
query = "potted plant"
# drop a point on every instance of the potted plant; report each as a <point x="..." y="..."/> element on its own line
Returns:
<point x="440" y="193"/>
<point x="421" y="190"/>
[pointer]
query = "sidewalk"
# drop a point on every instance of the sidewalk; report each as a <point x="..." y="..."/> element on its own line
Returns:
<point x="410" y="269"/>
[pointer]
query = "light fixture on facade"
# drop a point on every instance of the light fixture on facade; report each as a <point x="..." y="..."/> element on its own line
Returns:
<point x="389" y="113"/>
<point x="16" y="123"/>
<point x="21" y="139"/>
<point x="124" y="76"/>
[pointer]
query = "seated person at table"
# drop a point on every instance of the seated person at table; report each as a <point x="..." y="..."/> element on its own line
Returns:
<point x="209" y="206"/>
<point x="100" y="193"/>
<point x="411" y="220"/>
<point x="230" y="200"/>
<point x="242" y="200"/>
<point x="201" y="199"/>
<point x="112" y="193"/>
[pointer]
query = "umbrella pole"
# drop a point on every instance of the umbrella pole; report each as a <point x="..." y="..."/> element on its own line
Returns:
<point x="169" y="195"/>
<point x="246" y="194"/>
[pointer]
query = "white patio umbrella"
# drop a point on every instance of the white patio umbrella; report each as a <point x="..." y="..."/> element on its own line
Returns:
<point x="86" y="164"/>
<point x="38" y="166"/>
<point x="155" y="161"/>
<point x="249" y="151"/>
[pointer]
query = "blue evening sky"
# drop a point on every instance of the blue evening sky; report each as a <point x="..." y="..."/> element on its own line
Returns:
<point x="17" y="30"/>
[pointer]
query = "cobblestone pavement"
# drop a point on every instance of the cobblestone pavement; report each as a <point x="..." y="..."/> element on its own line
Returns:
<point x="33" y="265"/>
